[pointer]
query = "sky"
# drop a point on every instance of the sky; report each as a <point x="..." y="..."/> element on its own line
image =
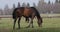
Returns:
<point x="10" y="2"/>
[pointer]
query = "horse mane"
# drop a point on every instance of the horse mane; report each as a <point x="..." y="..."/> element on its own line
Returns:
<point x="36" y="11"/>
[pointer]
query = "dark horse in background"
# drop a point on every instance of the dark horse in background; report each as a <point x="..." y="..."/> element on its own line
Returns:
<point x="27" y="12"/>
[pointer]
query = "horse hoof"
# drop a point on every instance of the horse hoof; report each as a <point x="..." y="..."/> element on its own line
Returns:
<point x="40" y="25"/>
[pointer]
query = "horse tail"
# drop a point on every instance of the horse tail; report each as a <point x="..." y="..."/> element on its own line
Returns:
<point x="14" y="13"/>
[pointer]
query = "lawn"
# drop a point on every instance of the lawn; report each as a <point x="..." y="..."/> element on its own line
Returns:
<point x="49" y="25"/>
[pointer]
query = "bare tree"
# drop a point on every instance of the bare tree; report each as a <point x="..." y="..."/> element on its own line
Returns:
<point x="1" y="12"/>
<point x="49" y="2"/>
<point x="13" y="6"/>
<point x="6" y="10"/>
<point x="23" y="5"/>
<point x="56" y="1"/>
<point x="34" y="5"/>
<point x="59" y="1"/>
<point x="18" y="4"/>
<point x="28" y="5"/>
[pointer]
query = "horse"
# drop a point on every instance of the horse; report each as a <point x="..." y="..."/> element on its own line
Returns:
<point x="27" y="12"/>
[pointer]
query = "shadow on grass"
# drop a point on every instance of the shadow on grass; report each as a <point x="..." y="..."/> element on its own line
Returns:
<point x="30" y="30"/>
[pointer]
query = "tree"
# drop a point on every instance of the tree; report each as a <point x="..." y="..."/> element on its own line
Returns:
<point x="1" y="12"/>
<point x="59" y="1"/>
<point x="39" y="7"/>
<point x="13" y="6"/>
<point x="23" y="5"/>
<point x="49" y="2"/>
<point x="28" y="5"/>
<point x="34" y="5"/>
<point x="56" y="1"/>
<point x="18" y="4"/>
<point x="6" y="9"/>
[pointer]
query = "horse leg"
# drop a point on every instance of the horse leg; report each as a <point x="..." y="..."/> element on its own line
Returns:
<point x="27" y="19"/>
<point x="32" y="22"/>
<point x="19" y="23"/>
<point x="29" y="25"/>
<point x="14" y="23"/>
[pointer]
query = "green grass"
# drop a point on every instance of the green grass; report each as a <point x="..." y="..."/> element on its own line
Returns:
<point x="49" y="25"/>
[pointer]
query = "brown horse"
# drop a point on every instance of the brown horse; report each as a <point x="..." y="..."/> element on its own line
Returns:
<point x="30" y="12"/>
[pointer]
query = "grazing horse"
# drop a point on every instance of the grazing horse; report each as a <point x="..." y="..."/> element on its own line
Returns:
<point x="27" y="12"/>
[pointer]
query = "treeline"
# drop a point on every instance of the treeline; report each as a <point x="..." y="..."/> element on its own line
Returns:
<point x="42" y="7"/>
<point x="8" y="11"/>
<point x="49" y="7"/>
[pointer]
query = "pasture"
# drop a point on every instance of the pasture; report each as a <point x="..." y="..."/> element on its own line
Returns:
<point x="49" y="25"/>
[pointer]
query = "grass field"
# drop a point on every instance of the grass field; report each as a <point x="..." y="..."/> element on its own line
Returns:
<point x="49" y="25"/>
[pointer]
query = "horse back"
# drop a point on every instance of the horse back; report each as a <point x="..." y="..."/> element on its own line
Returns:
<point x="27" y="11"/>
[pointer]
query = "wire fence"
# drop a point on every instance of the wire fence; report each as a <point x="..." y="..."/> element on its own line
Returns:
<point x="42" y="15"/>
